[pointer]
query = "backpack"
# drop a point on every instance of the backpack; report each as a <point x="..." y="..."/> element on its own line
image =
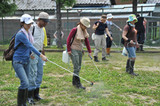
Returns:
<point x="122" y="40"/>
<point x="8" y="53"/>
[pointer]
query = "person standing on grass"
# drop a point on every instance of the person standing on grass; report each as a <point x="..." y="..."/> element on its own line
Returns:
<point x="21" y="57"/>
<point x="36" y="63"/>
<point x="140" y="27"/>
<point x="129" y="35"/>
<point x="100" y="28"/>
<point x="76" y="37"/>
<point x="109" y="25"/>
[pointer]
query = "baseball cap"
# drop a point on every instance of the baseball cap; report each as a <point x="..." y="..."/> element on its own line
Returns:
<point x="44" y="16"/>
<point x="26" y="18"/>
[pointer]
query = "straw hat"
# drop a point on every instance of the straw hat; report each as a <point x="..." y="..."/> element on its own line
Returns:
<point x="44" y="16"/>
<point x="85" y="21"/>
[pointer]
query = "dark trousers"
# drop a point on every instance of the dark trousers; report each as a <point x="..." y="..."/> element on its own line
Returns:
<point x="140" y="37"/>
<point x="108" y="42"/>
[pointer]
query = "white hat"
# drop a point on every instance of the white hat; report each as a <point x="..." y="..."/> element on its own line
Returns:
<point x="26" y="18"/>
<point x="109" y="16"/>
<point x="85" y="21"/>
<point x="44" y="16"/>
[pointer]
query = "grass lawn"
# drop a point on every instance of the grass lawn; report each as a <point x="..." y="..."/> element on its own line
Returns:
<point x="113" y="87"/>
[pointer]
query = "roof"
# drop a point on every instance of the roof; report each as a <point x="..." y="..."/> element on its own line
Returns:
<point x="153" y="1"/>
<point x="93" y="2"/>
<point x="35" y="4"/>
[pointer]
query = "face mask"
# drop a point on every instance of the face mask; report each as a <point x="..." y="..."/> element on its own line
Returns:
<point x="131" y="24"/>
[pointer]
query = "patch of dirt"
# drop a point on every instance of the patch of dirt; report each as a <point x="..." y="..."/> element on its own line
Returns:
<point x="106" y="93"/>
<point x="1" y="58"/>
<point x="145" y="68"/>
<point x="117" y="68"/>
<point x="57" y="75"/>
<point x="147" y="99"/>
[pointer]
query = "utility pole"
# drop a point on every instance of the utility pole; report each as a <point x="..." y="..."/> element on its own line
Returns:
<point x="134" y="5"/>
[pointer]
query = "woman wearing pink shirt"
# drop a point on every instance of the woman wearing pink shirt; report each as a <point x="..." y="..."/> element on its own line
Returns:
<point x="77" y="36"/>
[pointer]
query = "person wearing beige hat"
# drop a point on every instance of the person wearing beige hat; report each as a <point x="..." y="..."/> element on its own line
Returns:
<point x="36" y="63"/>
<point x="108" y="40"/>
<point x="100" y="28"/>
<point x="23" y="47"/>
<point x="76" y="37"/>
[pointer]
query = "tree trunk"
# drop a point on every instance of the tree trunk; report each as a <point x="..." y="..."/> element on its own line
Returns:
<point x="59" y="24"/>
<point x="113" y="2"/>
<point x="134" y="5"/>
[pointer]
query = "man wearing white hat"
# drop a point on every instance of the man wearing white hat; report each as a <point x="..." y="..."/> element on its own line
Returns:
<point x="108" y="40"/>
<point x="36" y="63"/>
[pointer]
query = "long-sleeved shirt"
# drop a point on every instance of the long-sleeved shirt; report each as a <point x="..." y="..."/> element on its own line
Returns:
<point x="23" y="48"/>
<point x="71" y="34"/>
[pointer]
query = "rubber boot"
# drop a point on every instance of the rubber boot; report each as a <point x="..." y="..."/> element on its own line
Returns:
<point x="79" y="85"/>
<point x="26" y="97"/>
<point x="127" y="66"/>
<point x="36" y="94"/>
<point x="74" y="80"/>
<point x="21" y="98"/>
<point x="96" y="59"/>
<point x="30" y="97"/>
<point x="132" y="68"/>
<point x="141" y="48"/>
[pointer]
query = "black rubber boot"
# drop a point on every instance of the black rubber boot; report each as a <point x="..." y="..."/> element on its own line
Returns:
<point x="132" y="68"/>
<point x="96" y="59"/>
<point x="141" y="48"/>
<point x="74" y="80"/>
<point x="36" y="94"/>
<point x="30" y="97"/>
<point x="127" y="66"/>
<point x="21" y="98"/>
<point x="104" y="59"/>
<point x="79" y="85"/>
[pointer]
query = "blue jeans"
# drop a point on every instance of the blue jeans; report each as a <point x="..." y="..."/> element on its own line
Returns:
<point x="131" y="52"/>
<point x="36" y="72"/>
<point x="22" y="71"/>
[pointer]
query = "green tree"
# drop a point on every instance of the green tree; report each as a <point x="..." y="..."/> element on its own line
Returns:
<point x="59" y="5"/>
<point x="6" y="8"/>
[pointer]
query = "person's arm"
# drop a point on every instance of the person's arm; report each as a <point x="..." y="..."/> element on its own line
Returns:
<point x="124" y="35"/>
<point x="22" y="38"/>
<point x="62" y="34"/>
<point x="70" y="36"/>
<point x="95" y="26"/>
<point x="107" y="31"/>
<point x="55" y="35"/>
